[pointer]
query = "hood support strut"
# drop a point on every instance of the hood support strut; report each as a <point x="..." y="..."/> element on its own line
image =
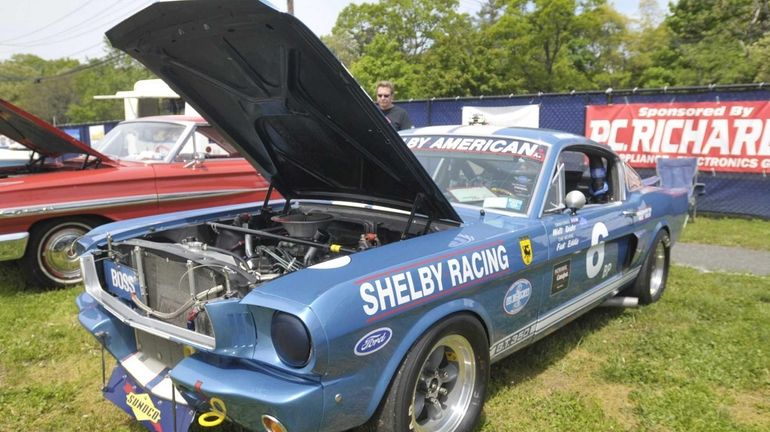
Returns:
<point x="417" y="203"/>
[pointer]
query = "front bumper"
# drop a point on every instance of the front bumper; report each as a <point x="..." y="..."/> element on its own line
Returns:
<point x="247" y="389"/>
<point x="12" y="246"/>
<point x="155" y="413"/>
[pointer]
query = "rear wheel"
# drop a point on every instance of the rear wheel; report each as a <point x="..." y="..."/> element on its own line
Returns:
<point x="442" y="382"/>
<point x="651" y="282"/>
<point x="50" y="259"/>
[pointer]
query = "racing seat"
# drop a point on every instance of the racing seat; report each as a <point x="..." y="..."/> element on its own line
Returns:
<point x="682" y="173"/>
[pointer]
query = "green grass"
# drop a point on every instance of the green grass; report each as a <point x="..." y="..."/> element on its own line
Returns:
<point x="50" y="368"/>
<point x="697" y="361"/>
<point x="748" y="233"/>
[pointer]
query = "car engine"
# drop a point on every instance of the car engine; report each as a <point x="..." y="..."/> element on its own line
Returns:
<point x="180" y="270"/>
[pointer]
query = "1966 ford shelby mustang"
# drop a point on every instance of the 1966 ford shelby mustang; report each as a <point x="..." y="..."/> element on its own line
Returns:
<point x="393" y="271"/>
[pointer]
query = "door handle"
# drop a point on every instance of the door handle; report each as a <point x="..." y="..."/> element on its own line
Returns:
<point x="631" y="213"/>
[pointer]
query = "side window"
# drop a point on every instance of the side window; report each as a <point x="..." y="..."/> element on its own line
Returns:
<point x="576" y="171"/>
<point x="199" y="142"/>
<point x="633" y="179"/>
<point x="554" y="201"/>
<point x="592" y="172"/>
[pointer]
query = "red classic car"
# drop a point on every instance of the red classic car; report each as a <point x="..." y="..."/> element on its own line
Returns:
<point x="62" y="188"/>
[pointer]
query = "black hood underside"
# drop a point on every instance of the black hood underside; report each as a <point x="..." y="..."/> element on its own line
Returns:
<point x="272" y="87"/>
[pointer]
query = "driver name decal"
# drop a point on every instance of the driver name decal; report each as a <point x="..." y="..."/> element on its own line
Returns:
<point x="478" y="144"/>
<point x="398" y="290"/>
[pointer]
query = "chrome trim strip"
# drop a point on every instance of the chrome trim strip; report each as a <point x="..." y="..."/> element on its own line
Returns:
<point x="12" y="246"/>
<point x="118" y="202"/>
<point x="77" y="205"/>
<point x="178" y="196"/>
<point x="128" y="316"/>
<point x="542" y="325"/>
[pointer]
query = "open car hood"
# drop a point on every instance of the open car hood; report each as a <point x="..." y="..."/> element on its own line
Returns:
<point x="270" y="85"/>
<point x="38" y="135"/>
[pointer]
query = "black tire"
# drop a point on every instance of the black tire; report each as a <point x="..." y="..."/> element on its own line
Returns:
<point x="49" y="261"/>
<point x="444" y="374"/>
<point x="651" y="282"/>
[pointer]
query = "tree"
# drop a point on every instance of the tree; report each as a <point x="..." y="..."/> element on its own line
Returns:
<point x="557" y="45"/>
<point x="24" y="84"/>
<point x="395" y="40"/>
<point x="115" y="72"/>
<point x="715" y="41"/>
<point x="62" y="90"/>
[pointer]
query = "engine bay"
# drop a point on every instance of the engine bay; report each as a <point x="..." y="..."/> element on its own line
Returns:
<point x="177" y="271"/>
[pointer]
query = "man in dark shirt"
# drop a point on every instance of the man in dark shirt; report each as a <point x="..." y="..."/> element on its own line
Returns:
<point x="397" y="116"/>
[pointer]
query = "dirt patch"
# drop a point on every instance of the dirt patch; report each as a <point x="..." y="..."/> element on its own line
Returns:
<point x="575" y="374"/>
<point x="752" y="409"/>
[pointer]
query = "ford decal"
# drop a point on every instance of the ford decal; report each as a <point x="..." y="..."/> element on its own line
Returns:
<point x="373" y="341"/>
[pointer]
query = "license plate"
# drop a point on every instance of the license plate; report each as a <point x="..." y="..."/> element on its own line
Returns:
<point x="122" y="280"/>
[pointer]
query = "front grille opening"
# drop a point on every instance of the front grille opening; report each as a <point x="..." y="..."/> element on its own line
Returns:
<point x="169" y="287"/>
<point x="163" y="350"/>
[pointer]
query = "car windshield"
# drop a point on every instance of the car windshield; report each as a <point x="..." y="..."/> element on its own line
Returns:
<point x="140" y="141"/>
<point x="485" y="171"/>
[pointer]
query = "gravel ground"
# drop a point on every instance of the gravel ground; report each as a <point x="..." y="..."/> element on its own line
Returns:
<point x="721" y="258"/>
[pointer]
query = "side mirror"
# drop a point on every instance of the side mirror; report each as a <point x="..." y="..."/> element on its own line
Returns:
<point x="575" y="201"/>
<point x="198" y="158"/>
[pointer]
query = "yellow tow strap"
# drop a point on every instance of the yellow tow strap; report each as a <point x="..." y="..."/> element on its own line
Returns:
<point x="216" y="416"/>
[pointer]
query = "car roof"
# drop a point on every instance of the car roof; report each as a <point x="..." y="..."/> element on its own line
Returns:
<point x="169" y="118"/>
<point x="554" y="138"/>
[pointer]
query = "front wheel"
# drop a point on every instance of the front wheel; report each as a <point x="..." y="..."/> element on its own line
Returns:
<point x="50" y="260"/>
<point x="651" y="282"/>
<point x="441" y="384"/>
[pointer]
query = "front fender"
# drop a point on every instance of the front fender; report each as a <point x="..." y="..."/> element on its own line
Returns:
<point x="367" y="394"/>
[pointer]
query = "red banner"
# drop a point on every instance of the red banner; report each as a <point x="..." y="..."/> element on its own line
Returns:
<point x="728" y="136"/>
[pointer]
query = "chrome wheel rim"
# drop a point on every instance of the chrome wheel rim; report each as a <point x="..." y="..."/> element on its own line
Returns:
<point x="657" y="272"/>
<point x="444" y="386"/>
<point x="56" y="254"/>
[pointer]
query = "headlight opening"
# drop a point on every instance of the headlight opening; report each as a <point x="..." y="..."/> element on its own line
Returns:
<point x="291" y="339"/>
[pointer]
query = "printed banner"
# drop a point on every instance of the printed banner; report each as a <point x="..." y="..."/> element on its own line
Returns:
<point x="95" y="134"/>
<point x="728" y="136"/>
<point x="519" y="115"/>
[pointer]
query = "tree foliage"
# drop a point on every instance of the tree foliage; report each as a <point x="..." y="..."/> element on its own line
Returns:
<point x="716" y="41"/>
<point x="428" y="48"/>
<point x="512" y="46"/>
<point x="61" y="91"/>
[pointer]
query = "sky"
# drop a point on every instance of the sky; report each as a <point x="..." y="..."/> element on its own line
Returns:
<point x="75" y="29"/>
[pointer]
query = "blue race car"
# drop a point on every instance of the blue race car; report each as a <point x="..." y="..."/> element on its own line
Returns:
<point x="391" y="271"/>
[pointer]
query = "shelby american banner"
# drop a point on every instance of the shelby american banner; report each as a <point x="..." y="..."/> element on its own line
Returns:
<point x="727" y="136"/>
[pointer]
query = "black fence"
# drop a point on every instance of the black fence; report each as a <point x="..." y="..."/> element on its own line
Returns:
<point x="726" y="193"/>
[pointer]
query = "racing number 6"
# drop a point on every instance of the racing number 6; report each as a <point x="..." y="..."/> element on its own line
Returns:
<point x="595" y="255"/>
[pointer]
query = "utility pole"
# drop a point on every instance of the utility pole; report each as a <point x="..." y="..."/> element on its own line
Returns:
<point x="290" y="7"/>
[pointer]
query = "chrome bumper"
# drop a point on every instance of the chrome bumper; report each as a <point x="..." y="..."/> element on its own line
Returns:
<point x="12" y="246"/>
